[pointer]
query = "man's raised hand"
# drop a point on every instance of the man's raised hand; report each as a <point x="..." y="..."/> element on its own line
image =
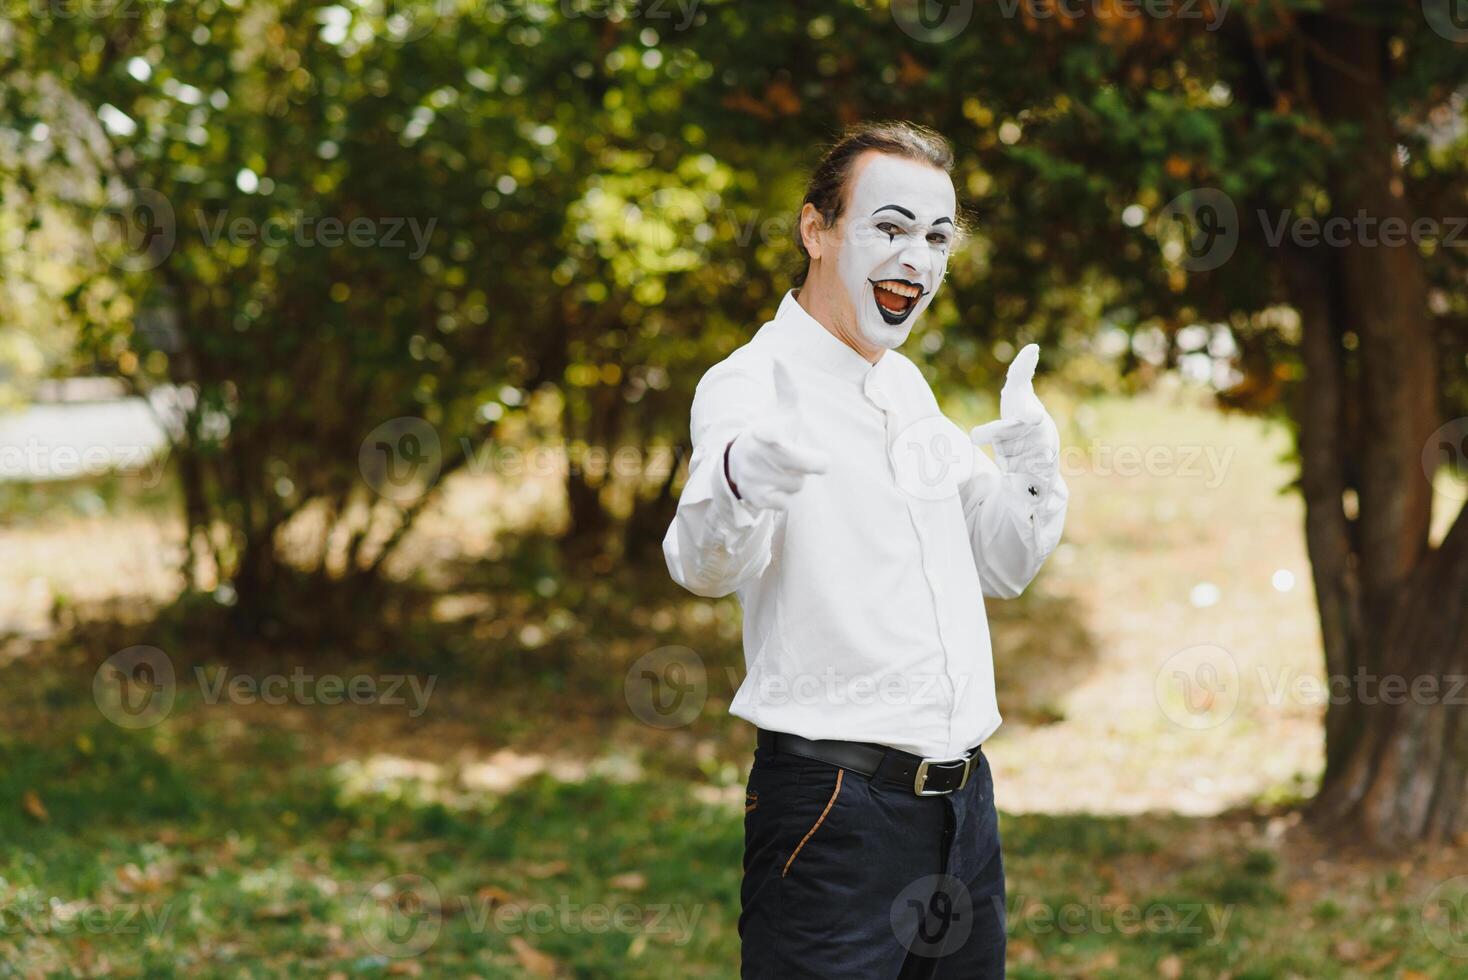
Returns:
<point x="767" y="464"/>
<point x="1024" y="436"/>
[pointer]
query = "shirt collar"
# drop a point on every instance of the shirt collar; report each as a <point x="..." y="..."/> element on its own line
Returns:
<point x="815" y="344"/>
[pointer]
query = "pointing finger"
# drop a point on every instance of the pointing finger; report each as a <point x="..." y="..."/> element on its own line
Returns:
<point x="804" y="459"/>
<point x="998" y="430"/>
<point x="778" y="500"/>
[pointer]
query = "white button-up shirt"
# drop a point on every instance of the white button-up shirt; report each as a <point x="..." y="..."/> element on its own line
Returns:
<point x="863" y="603"/>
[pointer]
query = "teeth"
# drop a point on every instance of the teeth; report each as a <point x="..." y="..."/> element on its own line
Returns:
<point x="900" y="288"/>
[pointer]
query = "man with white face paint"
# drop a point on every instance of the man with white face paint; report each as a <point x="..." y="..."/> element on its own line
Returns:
<point x="861" y="530"/>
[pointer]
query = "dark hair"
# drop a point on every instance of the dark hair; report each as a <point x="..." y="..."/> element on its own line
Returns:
<point x="827" y="187"/>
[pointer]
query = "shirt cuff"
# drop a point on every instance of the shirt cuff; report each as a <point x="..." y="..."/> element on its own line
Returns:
<point x="734" y="510"/>
<point x="730" y="516"/>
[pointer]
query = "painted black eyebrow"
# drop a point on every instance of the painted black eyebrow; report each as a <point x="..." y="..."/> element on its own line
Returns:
<point x="909" y="215"/>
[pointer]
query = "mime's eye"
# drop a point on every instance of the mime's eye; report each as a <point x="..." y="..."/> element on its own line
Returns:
<point x="938" y="238"/>
<point x="889" y="229"/>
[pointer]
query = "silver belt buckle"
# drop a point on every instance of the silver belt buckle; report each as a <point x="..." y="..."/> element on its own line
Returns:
<point x="920" y="781"/>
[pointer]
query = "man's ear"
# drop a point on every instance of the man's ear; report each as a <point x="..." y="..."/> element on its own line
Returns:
<point x="811" y="226"/>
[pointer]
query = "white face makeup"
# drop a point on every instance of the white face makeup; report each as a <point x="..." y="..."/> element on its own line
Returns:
<point x="898" y="227"/>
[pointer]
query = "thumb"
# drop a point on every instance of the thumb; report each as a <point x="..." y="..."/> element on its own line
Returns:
<point x="1017" y="399"/>
<point x="1022" y="368"/>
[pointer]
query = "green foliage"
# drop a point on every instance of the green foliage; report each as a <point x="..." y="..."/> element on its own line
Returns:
<point x="603" y="198"/>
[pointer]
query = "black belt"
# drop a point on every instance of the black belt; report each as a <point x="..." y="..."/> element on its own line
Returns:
<point x="925" y="777"/>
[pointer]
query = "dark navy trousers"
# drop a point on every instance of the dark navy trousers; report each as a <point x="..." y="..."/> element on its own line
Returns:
<point x="852" y="877"/>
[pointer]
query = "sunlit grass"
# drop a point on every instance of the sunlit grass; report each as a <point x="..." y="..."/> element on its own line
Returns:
<point x="528" y="822"/>
<point x="203" y="856"/>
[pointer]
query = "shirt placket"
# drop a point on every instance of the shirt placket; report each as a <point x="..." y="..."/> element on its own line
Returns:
<point x="893" y="425"/>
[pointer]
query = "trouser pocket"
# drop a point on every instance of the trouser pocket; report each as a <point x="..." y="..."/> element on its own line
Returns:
<point x="816" y="826"/>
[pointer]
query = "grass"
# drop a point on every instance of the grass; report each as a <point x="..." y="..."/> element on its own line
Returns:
<point x="529" y="825"/>
<point x="214" y="846"/>
<point x="193" y="850"/>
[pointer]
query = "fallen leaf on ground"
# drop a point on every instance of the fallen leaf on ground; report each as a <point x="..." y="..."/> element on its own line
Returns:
<point x="535" y="962"/>
<point x="547" y="870"/>
<point x="33" y="806"/>
<point x="274" y="913"/>
<point x="494" y="895"/>
<point x="1377" y="964"/>
<point x="629" y="881"/>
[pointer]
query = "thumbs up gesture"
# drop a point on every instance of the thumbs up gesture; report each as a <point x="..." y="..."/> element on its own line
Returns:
<point x="766" y="463"/>
<point x="1024" y="436"/>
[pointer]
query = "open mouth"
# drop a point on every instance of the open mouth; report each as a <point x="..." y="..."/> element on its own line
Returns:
<point x="895" y="298"/>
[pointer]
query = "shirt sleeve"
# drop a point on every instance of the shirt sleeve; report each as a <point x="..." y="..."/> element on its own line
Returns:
<point x="717" y="542"/>
<point x="1014" y="523"/>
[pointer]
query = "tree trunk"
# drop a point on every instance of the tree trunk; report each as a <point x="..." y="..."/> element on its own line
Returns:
<point x="1392" y="608"/>
<point x="1405" y="777"/>
<point x="589" y="523"/>
<point x="642" y="538"/>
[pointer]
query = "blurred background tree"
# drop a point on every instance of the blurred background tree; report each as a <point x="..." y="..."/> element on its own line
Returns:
<point x="612" y="199"/>
<point x="1084" y="141"/>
